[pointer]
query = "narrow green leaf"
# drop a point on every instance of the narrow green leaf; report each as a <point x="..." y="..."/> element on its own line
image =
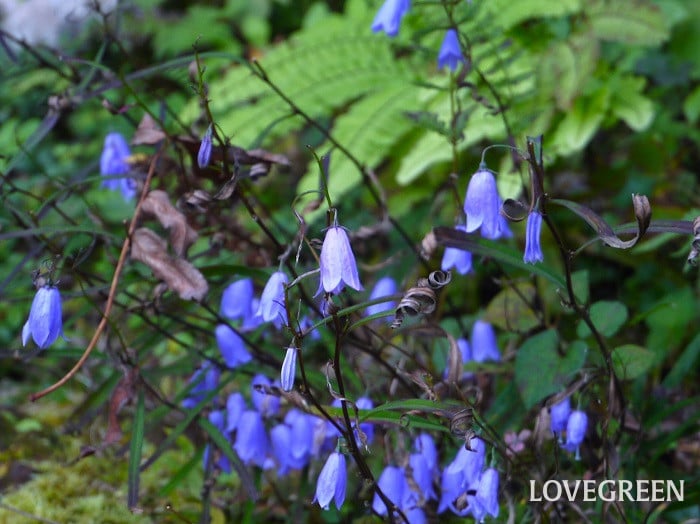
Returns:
<point x="227" y="449"/>
<point x="135" y="452"/>
<point x="686" y="364"/>
<point x="181" y="474"/>
<point x="451" y="237"/>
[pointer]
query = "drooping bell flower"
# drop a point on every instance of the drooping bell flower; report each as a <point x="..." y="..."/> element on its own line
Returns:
<point x="289" y="366"/>
<point x="450" y="53"/>
<point x="217" y="418"/>
<point x="114" y="162"/>
<point x="237" y="300"/>
<point x="533" y="249"/>
<point x="425" y="445"/>
<point x="44" y="324"/>
<point x="388" y="18"/>
<point x="235" y="406"/>
<point x="332" y="481"/>
<point x="483" y="342"/>
<point x="559" y="415"/>
<point x="485" y="502"/>
<point x="260" y="394"/>
<point x="252" y="444"/>
<point x="461" y="475"/>
<point x="460" y="259"/>
<point x="422" y="476"/>
<point x="338" y="266"/>
<point x="204" y="380"/>
<point x="393" y="484"/>
<point x="204" y="154"/>
<point x="576" y="431"/>
<point x="384" y="287"/>
<point x="302" y="433"/>
<point x="271" y="308"/>
<point x="482" y="206"/>
<point x="231" y="346"/>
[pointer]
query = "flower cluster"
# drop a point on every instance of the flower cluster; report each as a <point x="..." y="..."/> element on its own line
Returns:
<point x="573" y="423"/>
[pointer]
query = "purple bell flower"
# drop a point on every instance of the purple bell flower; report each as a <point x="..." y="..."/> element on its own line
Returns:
<point x="264" y="401"/>
<point x="231" y="346"/>
<point x="460" y="259"/>
<point x="302" y="433"/>
<point x="576" y="431"/>
<point x="237" y="300"/>
<point x="388" y="18"/>
<point x="289" y="367"/>
<point x="204" y="380"/>
<point x="271" y="308"/>
<point x="425" y="445"/>
<point x="252" y="444"/>
<point x="533" y="250"/>
<point x="332" y="481"/>
<point x="559" y="415"/>
<point x="235" y="406"/>
<point x="450" y="53"/>
<point x="385" y="286"/>
<point x="482" y="206"/>
<point x="217" y="418"/>
<point x="338" y="266"/>
<point x="113" y="162"/>
<point x="204" y="154"/>
<point x="461" y="475"/>
<point x="450" y="491"/>
<point x="422" y="475"/>
<point x="394" y="485"/>
<point x="485" y="502"/>
<point x="484" y="346"/>
<point x="44" y="324"/>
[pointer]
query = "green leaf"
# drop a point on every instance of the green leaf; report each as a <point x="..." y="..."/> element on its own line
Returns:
<point x="581" y="122"/>
<point x="511" y="309"/>
<point x="607" y="316"/>
<point x="635" y="22"/>
<point x="135" y="452"/>
<point x="580" y="282"/>
<point x="691" y="106"/>
<point x="508" y="13"/>
<point x="541" y="371"/>
<point x="630" y="105"/>
<point x="631" y="361"/>
<point x="685" y="364"/>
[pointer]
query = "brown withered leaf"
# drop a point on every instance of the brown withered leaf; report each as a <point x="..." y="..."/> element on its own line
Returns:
<point x="148" y="132"/>
<point x="123" y="393"/>
<point x="182" y="236"/>
<point x="180" y="276"/>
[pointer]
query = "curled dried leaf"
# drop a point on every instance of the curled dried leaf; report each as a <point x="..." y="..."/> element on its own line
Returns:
<point x="148" y="132"/>
<point x="642" y="212"/>
<point x="695" y="244"/>
<point x="182" y="236"/>
<point x="428" y="245"/>
<point x="421" y="299"/>
<point x="180" y="276"/>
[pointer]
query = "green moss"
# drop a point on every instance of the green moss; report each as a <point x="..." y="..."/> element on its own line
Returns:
<point x="94" y="489"/>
